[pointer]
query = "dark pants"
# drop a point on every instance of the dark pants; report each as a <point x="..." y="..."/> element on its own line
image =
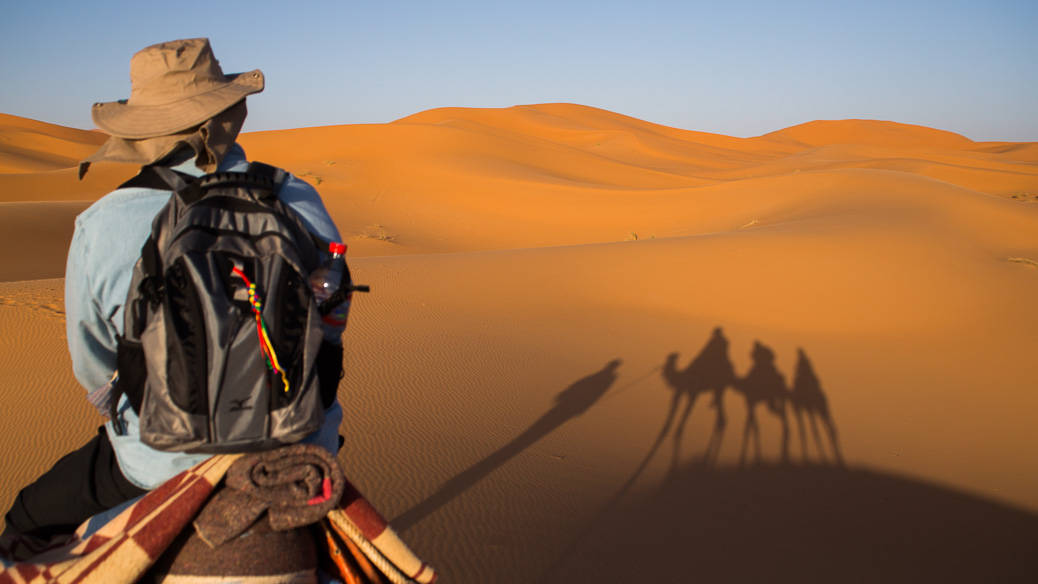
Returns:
<point x="81" y="484"/>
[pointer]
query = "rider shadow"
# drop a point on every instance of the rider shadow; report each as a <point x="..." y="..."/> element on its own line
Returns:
<point x="710" y="371"/>
<point x="569" y="403"/>
<point x="807" y="398"/>
<point x="763" y="383"/>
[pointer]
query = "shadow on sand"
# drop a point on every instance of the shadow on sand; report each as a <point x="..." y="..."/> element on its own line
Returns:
<point x="569" y="403"/>
<point x="813" y="521"/>
<point x="712" y="371"/>
<point x="800" y="524"/>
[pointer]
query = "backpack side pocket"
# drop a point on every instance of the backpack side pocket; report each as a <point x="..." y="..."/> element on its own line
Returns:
<point x="187" y="366"/>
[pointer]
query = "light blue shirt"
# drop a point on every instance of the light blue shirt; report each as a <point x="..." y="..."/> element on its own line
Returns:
<point x="106" y="244"/>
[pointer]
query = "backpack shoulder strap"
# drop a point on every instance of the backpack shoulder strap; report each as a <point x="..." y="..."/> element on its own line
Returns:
<point x="265" y="179"/>
<point x="275" y="174"/>
<point x="280" y="177"/>
<point x="266" y="172"/>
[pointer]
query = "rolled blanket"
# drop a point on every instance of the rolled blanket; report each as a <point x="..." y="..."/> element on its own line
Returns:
<point x="295" y="485"/>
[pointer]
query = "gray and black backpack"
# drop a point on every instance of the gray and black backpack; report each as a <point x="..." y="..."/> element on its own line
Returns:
<point x="221" y="339"/>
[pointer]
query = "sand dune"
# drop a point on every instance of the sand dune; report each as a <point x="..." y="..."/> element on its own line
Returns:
<point x="29" y="145"/>
<point x="512" y="399"/>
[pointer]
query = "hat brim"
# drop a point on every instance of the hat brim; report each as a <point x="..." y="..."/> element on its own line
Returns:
<point x="126" y="120"/>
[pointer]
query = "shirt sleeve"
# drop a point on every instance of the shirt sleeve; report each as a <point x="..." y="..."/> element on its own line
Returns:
<point x="304" y="200"/>
<point x="105" y="245"/>
<point x="91" y="334"/>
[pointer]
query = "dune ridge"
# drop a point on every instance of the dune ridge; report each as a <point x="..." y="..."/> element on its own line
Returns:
<point x="558" y="289"/>
<point x="33" y="146"/>
<point x="568" y="174"/>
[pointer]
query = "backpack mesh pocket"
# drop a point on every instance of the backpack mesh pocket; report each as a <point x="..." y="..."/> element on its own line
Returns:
<point x="187" y="365"/>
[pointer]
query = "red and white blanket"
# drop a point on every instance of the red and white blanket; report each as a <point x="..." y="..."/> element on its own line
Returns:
<point x="360" y="542"/>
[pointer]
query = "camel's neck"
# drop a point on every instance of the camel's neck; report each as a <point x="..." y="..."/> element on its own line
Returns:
<point x="671" y="373"/>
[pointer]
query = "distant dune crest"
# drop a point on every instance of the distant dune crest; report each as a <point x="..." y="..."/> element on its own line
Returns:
<point x="445" y="180"/>
<point x="569" y="116"/>
<point x="30" y="146"/>
<point x="871" y="133"/>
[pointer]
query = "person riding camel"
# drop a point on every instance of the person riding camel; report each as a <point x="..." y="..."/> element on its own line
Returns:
<point x="183" y="114"/>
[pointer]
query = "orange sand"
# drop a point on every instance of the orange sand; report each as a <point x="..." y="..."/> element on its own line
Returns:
<point x="514" y="253"/>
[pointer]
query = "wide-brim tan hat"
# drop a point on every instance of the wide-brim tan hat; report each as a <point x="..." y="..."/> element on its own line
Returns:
<point x="174" y="86"/>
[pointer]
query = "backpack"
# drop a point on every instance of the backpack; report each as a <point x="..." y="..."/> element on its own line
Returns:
<point x="221" y="332"/>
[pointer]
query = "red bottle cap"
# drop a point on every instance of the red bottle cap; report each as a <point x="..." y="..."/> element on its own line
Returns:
<point x="336" y="247"/>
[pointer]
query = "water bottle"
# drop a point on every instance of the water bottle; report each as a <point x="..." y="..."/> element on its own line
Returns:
<point x="324" y="281"/>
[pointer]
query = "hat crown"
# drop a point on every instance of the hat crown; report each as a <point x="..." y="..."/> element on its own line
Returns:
<point x="174" y="85"/>
<point x="174" y="70"/>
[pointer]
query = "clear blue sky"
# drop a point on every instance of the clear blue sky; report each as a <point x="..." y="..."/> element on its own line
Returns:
<point x="737" y="67"/>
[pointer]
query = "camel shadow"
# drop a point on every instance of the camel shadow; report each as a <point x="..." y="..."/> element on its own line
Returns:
<point x="570" y="403"/>
<point x="764" y="383"/>
<point x="712" y="371"/>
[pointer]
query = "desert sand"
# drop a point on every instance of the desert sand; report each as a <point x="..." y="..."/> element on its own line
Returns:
<point x="535" y="386"/>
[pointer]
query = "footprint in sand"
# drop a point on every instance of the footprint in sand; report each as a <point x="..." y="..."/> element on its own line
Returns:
<point x="42" y="306"/>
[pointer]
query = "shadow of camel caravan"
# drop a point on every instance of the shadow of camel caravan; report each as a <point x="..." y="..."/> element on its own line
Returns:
<point x="711" y="371"/>
<point x="815" y="520"/>
<point x="277" y="516"/>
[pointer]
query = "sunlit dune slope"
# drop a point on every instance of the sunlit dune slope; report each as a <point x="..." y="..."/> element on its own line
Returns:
<point x="38" y="162"/>
<point x="459" y="179"/>
<point x="870" y="133"/>
<point x="31" y="146"/>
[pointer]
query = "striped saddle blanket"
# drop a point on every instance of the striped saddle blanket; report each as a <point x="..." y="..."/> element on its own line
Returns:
<point x="357" y="544"/>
